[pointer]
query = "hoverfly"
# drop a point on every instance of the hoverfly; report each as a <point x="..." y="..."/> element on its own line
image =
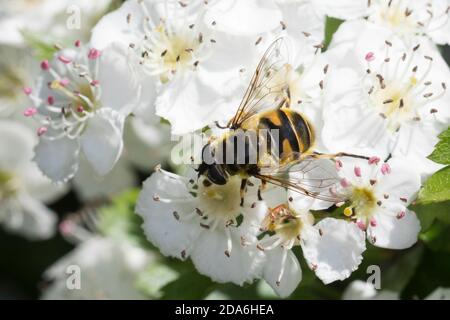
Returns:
<point x="266" y="106"/>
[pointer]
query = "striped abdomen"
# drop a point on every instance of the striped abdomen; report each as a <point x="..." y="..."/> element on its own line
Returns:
<point x="295" y="134"/>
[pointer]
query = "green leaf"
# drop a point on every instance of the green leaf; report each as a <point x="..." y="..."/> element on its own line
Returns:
<point x="189" y="286"/>
<point x="437" y="187"/>
<point x="437" y="238"/>
<point x="331" y="26"/>
<point x="154" y="278"/>
<point x="428" y="213"/>
<point x="43" y="50"/>
<point x="119" y="221"/>
<point x="441" y="153"/>
<point x="402" y="269"/>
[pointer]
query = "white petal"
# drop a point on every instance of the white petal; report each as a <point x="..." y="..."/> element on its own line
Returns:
<point x="121" y="88"/>
<point x="57" y="159"/>
<point x="394" y="233"/>
<point x="90" y="186"/>
<point x="439" y="294"/>
<point x="16" y="144"/>
<point x="250" y="17"/>
<point x="39" y="186"/>
<point x="336" y="253"/>
<point x="208" y="256"/>
<point x="102" y="140"/>
<point x="292" y="272"/>
<point x="30" y="219"/>
<point x="194" y="105"/>
<point x="114" y="27"/>
<point x="171" y="236"/>
<point x="402" y="182"/>
<point x="359" y="290"/>
<point x="342" y="9"/>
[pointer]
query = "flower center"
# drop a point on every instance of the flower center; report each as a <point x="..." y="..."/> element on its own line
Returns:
<point x="395" y="103"/>
<point x="8" y="185"/>
<point x="363" y="202"/>
<point x="286" y="223"/>
<point x="221" y="201"/>
<point x="400" y="87"/>
<point x="172" y="46"/>
<point x="397" y="17"/>
<point x="71" y="97"/>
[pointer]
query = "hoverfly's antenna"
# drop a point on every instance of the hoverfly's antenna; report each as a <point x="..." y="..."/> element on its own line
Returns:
<point x="220" y="126"/>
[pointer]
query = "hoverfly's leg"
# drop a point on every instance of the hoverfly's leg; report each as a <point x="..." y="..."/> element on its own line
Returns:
<point x="318" y="155"/>
<point x="288" y="99"/>
<point x="263" y="184"/>
<point x="242" y="190"/>
<point x="261" y="187"/>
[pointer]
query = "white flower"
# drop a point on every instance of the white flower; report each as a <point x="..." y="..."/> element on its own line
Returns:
<point x="394" y="99"/>
<point x="107" y="270"/>
<point x="412" y="18"/>
<point x="360" y="290"/>
<point x="332" y="248"/>
<point x="185" y="219"/>
<point x="379" y="195"/>
<point x="57" y="19"/>
<point x="22" y="187"/>
<point x="82" y="99"/>
<point x="189" y="69"/>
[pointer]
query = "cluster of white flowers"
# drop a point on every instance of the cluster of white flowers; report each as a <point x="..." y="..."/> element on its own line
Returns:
<point x="157" y="69"/>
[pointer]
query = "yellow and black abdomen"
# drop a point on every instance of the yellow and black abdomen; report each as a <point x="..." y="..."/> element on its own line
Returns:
<point x="292" y="132"/>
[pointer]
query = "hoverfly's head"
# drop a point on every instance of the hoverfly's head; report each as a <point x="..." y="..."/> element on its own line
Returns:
<point x="210" y="168"/>
<point x="213" y="174"/>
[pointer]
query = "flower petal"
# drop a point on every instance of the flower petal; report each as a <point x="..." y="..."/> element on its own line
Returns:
<point x="243" y="265"/>
<point x="89" y="186"/>
<point x="333" y="249"/>
<point x="249" y="17"/>
<point x="57" y="159"/>
<point x="170" y="235"/>
<point x="292" y="272"/>
<point x="398" y="230"/>
<point x="16" y="144"/>
<point x="116" y="27"/>
<point x="194" y="106"/>
<point x="29" y="218"/>
<point x="102" y="140"/>
<point x="121" y="88"/>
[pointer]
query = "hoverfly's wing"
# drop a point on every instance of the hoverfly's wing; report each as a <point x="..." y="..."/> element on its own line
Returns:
<point x="268" y="88"/>
<point x="316" y="178"/>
